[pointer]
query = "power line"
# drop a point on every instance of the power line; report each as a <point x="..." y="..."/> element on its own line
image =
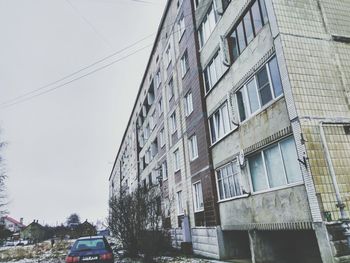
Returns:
<point x="77" y="78"/>
<point x="26" y="96"/>
<point x="97" y="32"/>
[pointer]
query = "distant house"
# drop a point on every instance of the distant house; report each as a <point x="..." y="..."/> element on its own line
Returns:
<point x="12" y="224"/>
<point x="33" y="232"/>
<point x="85" y="229"/>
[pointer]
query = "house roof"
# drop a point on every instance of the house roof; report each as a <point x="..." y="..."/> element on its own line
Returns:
<point x="14" y="221"/>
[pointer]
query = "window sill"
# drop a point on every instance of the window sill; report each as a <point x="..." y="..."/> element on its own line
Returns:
<point x="199" y="211"/>
<point x="222" y="138"/>
<point x="267" y="105"/>
<point x="195" y="158"/>
<point x="216" y="83"/>
<point x="277" y="188"/>
<point x="233" y="198"/>
<point x="184" y="75"/>
<point x="181" y="37"/>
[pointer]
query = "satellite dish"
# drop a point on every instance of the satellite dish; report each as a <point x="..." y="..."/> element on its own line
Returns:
<point x="241" y="158"/>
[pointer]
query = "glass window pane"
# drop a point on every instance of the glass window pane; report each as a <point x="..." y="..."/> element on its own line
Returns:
<point x="257" y="22"/>
<point x="291" y="163"/>
<point x="274" y="167"/>
<point x="218" y="66"/>
<point x="206" y="80"/>
<point x="257" y="172"/>
<point x="212" y="72"/>
<point x="241" y="37"/>
<point x="253" y="96"/>
<point x="221" y="192"/>
<point x="275" y="77"/>
<point x="263" y="11"/>
<point x="241" y="103"/>
<point x="248" y="27"/>
<point x="234" y="44"/>
<point x="265" y="95"/>
<point x="264" y="86"/>
<point x="212" y="129"/>
<point x="225" y="119"/>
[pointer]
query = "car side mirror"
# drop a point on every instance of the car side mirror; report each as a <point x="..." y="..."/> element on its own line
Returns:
<point x="112" y="244"/>
<point x="69" y="247"/>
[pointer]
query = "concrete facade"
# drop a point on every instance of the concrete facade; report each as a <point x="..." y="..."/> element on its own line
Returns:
<point x="270" y="85"/>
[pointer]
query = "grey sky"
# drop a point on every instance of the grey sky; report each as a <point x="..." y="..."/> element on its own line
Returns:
<point x="61" y="145"/>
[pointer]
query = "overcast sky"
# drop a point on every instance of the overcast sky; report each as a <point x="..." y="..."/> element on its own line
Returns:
<point x="61" y="145"/>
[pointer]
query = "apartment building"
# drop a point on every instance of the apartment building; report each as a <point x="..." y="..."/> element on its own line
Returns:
<point x="166" y="144"/>
<point x="242" y="123"/>
<point x="276" y="80"/>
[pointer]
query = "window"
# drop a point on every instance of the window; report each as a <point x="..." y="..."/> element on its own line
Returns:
<point x="188" y="104"/>
<point x="265" y="86"/>
<point x="152" y="121"/>
<point x="164" y="171"/>
<point x="196" y="3"/>
<point x="179" y="202"/>
<point x="154" y="147"/>
<point x="198" y="197"/>
<point x="171" y="89"/>
<point x="275" y="166"/>
<point x="213" y="71"/>
<point x="157" y="79"/>
<point x="176" y="160"/>
<point x="148" y="156"/>
<point x="219" y="123"/>
<point x="161" y="138"/>
<point x="193" y="148"/>
<point x="225" y="4"/>
<point x="160" y="106"/>
<point x="228" y="181"/>
<point x="207" y="26"/>
<point x="150" y="181"/>
<point x="173" y="126"/>
<point x="181" y="26"/>
<point x="167" y="56"/>
<point x="184" y="64"/>
<point x="247" y="29"/>
<point x="146" y="132"/>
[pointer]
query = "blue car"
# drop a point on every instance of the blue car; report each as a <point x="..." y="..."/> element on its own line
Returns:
<point x="94" y="249"/>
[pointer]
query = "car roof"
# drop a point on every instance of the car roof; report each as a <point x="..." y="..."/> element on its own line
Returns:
<point x="90" y="237"/>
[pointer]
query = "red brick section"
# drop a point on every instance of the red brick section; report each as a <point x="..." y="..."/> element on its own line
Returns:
<point x="197" y="123"/>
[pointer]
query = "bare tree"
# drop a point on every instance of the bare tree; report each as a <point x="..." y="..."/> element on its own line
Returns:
<point x="73" y="219"/>
<point x="135" y="219"/>
<point x="2" y="180"/>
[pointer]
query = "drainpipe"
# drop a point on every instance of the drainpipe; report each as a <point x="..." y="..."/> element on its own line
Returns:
<point x="345" y="221"/>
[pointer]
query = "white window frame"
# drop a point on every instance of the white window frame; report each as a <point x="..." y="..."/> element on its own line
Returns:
<point x="181" y="26"/>
<point x="173" y="125"/>
<point x="188" y="104"/>
<point x="232" y="179"/>
<point x="171" y="91"/>
<point x="222" y="121"/>
<point x="184" y="64"/>
<point x="269" y="188"/>
<point x="176" y="160"/>
<point x="211" y="68"/>
<point x="161" y="138"/>
<point x="246" y="102"/>
<point x="157" y="79"/>
<point x="206" y="28"/>
<point x="179" y="202"/>
<point x="193" y="147"/>
<point x="164" y="170"/>
<point x="160" y="106"/>
<point x="167" y="56"/>
<point x="198" y="202"/>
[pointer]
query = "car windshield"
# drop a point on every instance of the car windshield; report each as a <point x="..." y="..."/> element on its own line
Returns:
<point x="88" y="244"/>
